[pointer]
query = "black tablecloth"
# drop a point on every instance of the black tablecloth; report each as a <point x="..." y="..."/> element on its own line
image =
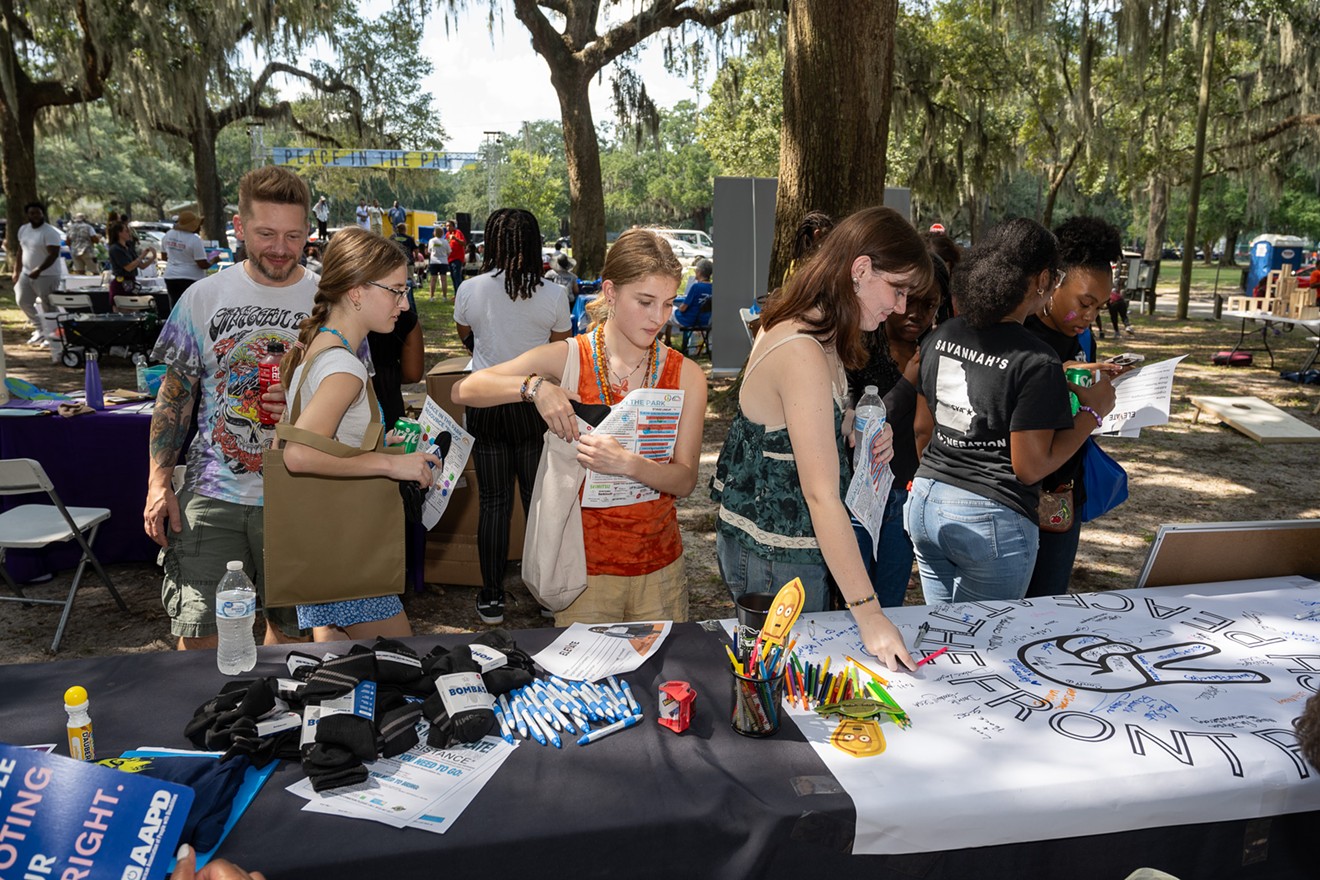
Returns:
<point x="94" y="460"/>
<point x="642" y="803"/>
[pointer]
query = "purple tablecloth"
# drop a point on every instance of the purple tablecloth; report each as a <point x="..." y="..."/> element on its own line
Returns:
<point x="94" y="460"/>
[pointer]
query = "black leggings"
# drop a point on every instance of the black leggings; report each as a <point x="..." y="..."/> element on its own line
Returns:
<point x="508" y="444"/>
<point x="1117" y="310"/>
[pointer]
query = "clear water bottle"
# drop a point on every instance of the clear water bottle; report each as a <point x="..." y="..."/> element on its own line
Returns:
<point x="869" y="407"/>
<point x="140" y="367"/>
<point x="92" y="381"/>
<point x="235" y="610"/>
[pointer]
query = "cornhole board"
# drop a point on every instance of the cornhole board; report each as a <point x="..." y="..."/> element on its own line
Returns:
<point x="1257" y="419"/>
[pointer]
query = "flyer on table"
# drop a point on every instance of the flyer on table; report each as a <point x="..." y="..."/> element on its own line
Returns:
<point x="65" y="818"/>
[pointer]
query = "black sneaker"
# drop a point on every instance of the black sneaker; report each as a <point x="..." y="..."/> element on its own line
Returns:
<point x="490" y="606"/>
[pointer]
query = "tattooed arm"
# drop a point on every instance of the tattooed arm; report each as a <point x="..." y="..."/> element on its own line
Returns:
<point x="169" y="429"/>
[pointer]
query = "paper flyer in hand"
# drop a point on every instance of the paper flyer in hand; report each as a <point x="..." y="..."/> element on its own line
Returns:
<point x="592" y="651"/>
<point x="423" y="788"/>
<point x="435" y="421"/>
<point x="869" y="489"/>
<point x="65" y="818"/>
<point x="644" y="422"/>
<point x="1142" y="398"/>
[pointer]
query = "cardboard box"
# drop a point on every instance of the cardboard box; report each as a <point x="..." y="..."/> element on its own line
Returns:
<point x="451" y="547"/>
<point x="440" y="381"/>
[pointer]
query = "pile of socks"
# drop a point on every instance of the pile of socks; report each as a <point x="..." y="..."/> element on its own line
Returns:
<point x="365" y="704"/>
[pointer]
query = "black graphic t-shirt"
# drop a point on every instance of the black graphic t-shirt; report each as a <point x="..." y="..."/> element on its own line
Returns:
<point x="982" y="385"/>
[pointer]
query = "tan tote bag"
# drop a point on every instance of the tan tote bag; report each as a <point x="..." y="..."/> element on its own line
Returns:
<point x="330" y="538"/>
<point x="554" y="563"/>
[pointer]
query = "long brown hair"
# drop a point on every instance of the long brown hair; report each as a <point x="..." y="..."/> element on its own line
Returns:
<point x="636" y="254"/>
<point x="353" y="258"/>
<point x="824" y="283"/>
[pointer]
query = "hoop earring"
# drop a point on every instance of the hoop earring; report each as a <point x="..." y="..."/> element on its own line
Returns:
<point x="1048" y="304"/>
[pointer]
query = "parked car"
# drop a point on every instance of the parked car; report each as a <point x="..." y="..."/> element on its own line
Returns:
<point x="687" y="244"/>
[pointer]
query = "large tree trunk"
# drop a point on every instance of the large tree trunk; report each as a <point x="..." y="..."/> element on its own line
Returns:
<point x="1057" y="179"/>
<point x="206" y="177"/>
<point x="1208" y="27"/>
<point x="586" y="195"/>
<point x="1230" y="246"/>
<point x="838" y="78"/>
<point x="1157" y="218"/>
<point x="18" y="140"/>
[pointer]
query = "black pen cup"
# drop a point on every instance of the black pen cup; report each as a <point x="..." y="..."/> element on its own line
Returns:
<point x="757" y="704"/>
<point x="753" y="608"/>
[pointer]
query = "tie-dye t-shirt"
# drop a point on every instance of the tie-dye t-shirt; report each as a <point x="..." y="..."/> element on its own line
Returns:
<point x="219" y="331"/>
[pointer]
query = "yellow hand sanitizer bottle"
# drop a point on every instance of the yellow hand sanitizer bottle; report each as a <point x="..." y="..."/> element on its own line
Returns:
<point x="81" y="746"/>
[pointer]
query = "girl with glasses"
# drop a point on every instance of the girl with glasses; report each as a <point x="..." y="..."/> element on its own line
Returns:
<point x="363" y="288"/>
<point x="994" y="407"/>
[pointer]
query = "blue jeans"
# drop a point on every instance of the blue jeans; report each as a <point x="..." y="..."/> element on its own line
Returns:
<point x="1054" y="562"/>
<point x="745" y="572"/>
<point x="890" y="569"/>
<point x="969" y="548"/>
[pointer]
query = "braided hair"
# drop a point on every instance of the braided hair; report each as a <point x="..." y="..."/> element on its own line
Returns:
<point x="353" y="258"/>
<point x="994" y="277"/>
<point x="513" y="247"/>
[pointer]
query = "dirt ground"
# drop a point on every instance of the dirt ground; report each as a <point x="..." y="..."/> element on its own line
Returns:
<point x="1179" y="472"/>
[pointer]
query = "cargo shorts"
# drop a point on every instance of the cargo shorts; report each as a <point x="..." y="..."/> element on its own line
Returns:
<point x="214" y="532"/>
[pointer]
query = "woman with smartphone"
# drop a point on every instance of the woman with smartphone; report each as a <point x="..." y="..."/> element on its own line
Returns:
<point x="1088" y="246"/>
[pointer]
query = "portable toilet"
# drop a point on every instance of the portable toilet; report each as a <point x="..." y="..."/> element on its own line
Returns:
<point x="1270" y="252"/>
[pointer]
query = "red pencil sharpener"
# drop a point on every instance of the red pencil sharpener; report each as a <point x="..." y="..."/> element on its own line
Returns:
<point x="676" y="699"/>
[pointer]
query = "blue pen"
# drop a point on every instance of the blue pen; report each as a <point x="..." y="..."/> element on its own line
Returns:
<point x="510" y="707"/>
<point x="630" y="721"/>
<point x="569" y="703"/>
<point x="547" y="710"/>
<point x="618" y="692"/>
<point x="504" y="724"/>
<point x="557" y="707"/>
<point x="604" y="702"/>
<point x="530" y="719"/>
<point x="547" y="732"/>
<point x="533" y="699"/>
<point x="594" y="709"/>
<point x="632" y="702"/>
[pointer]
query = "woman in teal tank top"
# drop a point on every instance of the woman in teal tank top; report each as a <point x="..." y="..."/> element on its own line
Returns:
<point x="785" y="466"/>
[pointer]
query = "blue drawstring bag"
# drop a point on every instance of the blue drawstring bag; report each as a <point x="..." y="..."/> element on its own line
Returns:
<point x="1105" y="480"/>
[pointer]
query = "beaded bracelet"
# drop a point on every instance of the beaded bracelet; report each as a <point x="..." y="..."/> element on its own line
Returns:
<point x="870" y="598"/>
<point x="536" y="386"/>
<point x="522" y="392"/>
<point x="1099" y="422"/>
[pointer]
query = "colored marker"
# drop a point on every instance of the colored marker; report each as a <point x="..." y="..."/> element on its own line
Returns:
<point x="921" y="634"/>
<point x="862" y="666"/>
<point x="924" y="660"/>
<point x="630" y="721"/>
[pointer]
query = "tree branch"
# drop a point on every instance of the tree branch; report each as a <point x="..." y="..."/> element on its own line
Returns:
<point x="1283" y="126"/>
<point x="650" y="21"/>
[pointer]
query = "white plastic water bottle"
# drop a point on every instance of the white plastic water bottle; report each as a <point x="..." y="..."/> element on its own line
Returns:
<point x="140" y="367"/>
<point x="869" y="407"/>
<point x="235" y="610"/>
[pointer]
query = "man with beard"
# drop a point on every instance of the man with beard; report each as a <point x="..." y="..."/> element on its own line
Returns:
<point x="36" y="269"/>
<point x="211" y="346"/>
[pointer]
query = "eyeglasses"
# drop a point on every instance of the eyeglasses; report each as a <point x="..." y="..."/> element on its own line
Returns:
<point x="400" y="296"/>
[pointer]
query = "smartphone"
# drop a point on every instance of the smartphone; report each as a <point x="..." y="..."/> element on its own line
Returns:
<point x="1127" y="359"/>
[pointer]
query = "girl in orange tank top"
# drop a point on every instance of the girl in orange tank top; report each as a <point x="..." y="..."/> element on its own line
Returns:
<point x="633" y="552"/>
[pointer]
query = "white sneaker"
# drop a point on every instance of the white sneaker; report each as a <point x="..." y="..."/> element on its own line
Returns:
<point x="45" y="343"/>
<point x="34" y="338"/>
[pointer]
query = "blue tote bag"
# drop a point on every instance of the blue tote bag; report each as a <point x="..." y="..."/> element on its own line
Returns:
<point x="1105" y="480"/>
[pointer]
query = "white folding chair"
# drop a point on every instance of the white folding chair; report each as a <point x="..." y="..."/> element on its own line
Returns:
<point x="34" y="526"/>
<point x="126" y="303"/>
<point x="70" y="302"/>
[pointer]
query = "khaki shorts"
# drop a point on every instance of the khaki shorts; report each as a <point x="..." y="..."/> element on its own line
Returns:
<point x="609" y="598"/>
<point x="214" y="532"/>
